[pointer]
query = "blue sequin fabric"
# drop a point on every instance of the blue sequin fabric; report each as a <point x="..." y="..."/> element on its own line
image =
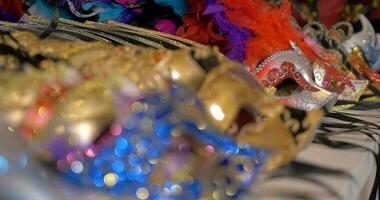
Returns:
<point x="167" y="150"/>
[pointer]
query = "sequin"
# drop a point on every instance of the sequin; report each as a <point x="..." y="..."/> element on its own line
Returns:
<point x="3" y="166"/>
<point x="110" y="179"/>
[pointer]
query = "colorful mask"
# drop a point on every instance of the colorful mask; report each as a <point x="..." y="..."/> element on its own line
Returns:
<point x="367" y="35"/>
<point x="294" y="66"/>
<point x="264" y="32"/>
<point x="329" y="70"/>
<point x="364" y="41"/>
<point x="368" y="41"/>
<point x="349" y="44"/>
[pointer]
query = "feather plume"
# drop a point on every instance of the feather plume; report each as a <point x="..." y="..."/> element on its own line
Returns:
<point x="271" y="26"/>
<point x="11" y="10"/>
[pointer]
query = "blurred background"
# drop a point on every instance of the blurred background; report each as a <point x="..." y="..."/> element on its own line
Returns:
<point x="330" y="12"/>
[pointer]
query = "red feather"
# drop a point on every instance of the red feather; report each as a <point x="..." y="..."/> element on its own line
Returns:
<point x="13" y="7"/>
<point x="200" y="28"/>
<point x="271" y="26"/>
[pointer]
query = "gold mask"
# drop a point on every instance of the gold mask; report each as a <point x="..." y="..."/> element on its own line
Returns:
<point x="235" y="102"/>
<point x="238" y="105"/>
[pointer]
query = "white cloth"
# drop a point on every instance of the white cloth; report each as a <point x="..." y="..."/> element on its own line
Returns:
<point x="359" y="163"/>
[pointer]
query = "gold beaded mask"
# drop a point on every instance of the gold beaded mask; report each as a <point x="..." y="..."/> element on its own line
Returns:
<point x="235" y="102"/>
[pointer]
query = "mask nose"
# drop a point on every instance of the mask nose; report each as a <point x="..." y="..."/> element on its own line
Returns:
<point x="311" y="100"/>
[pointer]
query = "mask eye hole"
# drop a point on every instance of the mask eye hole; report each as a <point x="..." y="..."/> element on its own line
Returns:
<point x="245" y="116"/>
<point x="286" y="87"/>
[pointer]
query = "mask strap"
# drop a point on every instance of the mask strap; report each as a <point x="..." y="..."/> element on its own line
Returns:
<point x="323" y="138"/>
<point x="359" y="105"/>
<point x="52" y="26"/>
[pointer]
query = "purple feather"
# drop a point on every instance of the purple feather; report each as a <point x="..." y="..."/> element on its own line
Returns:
<point x="6" y="16"/>
<point x="237" y="37"/>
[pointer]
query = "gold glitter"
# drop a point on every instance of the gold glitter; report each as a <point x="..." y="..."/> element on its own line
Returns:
<point x="188" y="178"/>
<point x="56" y="90"/>
<point x="191" y="101"/>
<point x="202" y="126"/>
<point x="45" y="155"/>
<point x="14" y="97"/>
<point x="107" y="94"/>
<point x="146" y="168"/>
<point x="218" y="194"/>
<point x="174" y="118"/>
<point x="142" y="193"/>
<point x="231" y="190"/>
<point x="147" y="124"/>
<point x="72" y="140"/>
<point x="137" y="107"/>
<point x="176" y="190"/>
<point x="42" y="111"/>
<point x="79" y="103"/>
<point x="247" y="163"/>
<point x="110" y="179"/>
<point x="146" y="106"/>
<point x="358" y="94"/>
<point x="72" y="117"/>
<point x="220" y="181"/>
<point x="154" y="161"/>
<point x="176" y="132"/>
<point x="59" y="130"/>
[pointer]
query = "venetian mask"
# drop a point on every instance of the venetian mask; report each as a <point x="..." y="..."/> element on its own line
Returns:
<point x="368" y="41"/>
<point x="329" y="70"/>
<point x="340" y="37"/>
<point x="246" y="112"/>
<point x="208" y="65"/>
<point x="293" y="67"/>
<point x="367" y="35"/>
